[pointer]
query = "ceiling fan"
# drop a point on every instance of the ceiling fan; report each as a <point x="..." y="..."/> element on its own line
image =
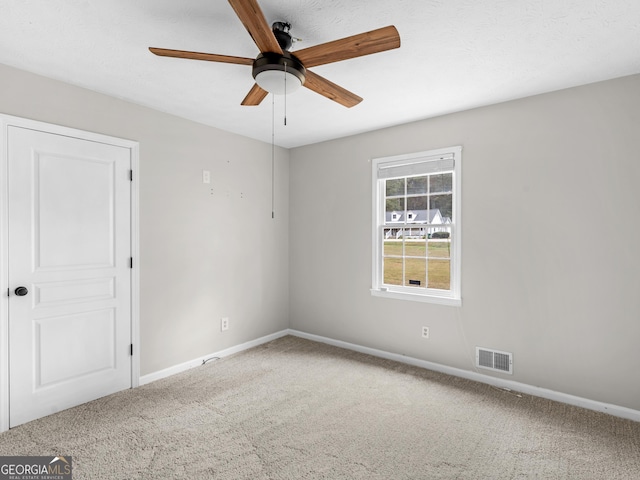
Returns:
<point x="276" y="70"/>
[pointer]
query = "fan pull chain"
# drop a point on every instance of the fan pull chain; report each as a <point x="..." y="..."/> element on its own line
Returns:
<point x="273" y="154"/>
<point x="285" y="94"/>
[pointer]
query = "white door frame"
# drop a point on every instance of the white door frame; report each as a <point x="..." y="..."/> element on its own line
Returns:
<point x="5" y="122"/>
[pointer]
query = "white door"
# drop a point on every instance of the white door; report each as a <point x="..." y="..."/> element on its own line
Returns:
<point x="69" y="276"/>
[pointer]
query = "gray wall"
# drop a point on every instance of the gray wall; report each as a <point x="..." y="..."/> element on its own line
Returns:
<point x="207" y="251"/>
<point x="550" y="241"/>
<point x="551" y="227"/>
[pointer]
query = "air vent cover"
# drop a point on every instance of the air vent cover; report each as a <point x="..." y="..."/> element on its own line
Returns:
<point x="494" y="360"/>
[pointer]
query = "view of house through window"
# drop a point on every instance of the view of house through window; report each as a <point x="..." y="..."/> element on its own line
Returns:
<point x="417" y="239"/>
<point x="416" y="233"/>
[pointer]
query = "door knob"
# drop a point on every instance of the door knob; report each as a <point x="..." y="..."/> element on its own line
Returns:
<point x="21" y="291"/>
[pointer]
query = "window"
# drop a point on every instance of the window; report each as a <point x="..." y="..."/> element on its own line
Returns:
<point x="416" y="227"/>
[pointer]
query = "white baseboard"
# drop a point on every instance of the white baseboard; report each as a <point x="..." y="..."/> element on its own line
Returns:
<point x="196" y="362"/>
<point x="614" y="410"/>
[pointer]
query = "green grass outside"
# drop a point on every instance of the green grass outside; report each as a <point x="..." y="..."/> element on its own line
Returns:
<point x="437" y="249"/>
<point x="437" y="266"/>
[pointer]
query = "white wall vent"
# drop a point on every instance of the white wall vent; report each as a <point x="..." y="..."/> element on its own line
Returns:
<point x="494" y="360"/>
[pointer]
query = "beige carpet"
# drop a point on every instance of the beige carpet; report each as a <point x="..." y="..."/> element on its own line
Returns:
<point x="295" y="409"/>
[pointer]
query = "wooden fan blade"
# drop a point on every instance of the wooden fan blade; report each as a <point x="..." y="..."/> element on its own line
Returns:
<point x="210" y="57"/>
<point x="330" y="90"/>
<point x="252" y="18"/>
<point x="255" y="96"/>
<point x="380" y="40"/>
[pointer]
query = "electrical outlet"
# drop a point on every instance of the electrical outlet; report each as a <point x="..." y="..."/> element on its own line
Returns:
<point x="206" y="176"/>
<point x="224" y="324"/>
<point x="425" y="332"/>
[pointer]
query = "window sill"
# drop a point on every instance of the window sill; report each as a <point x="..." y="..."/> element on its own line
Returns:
<point x="384" y="293"/>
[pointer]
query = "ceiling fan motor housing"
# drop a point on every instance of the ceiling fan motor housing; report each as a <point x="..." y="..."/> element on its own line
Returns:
<point x="269" y="71"/>
<point x="281" y="32"/>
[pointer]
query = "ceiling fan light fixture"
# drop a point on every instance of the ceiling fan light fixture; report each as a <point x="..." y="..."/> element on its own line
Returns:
<point x="273" y="81"/>
<point x="278" y="74"/>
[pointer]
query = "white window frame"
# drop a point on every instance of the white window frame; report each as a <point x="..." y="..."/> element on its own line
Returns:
<point x="415" y="163"/>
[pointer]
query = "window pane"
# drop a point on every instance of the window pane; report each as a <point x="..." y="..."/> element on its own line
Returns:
<point x="395" y="187"/>
<point x="418" y="203"/>
<point x="417" y="185"/>
<point x="393" y="242"/>
<point x="415" y="247"/>
<point x="444" y="204"/>
<point x="392" y="268"/>
<point x="394" y="205"/>
<point x="439" y="274"/>
<point x="416" y="272"/>
<point x="439" y="248"/>
<point x="442" y="183"/>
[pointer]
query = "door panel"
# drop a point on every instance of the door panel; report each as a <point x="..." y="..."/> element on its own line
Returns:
<point x="51" y="294"/>
<point x="91" y="352"/>
<point x="82" y="188"/>
<point x="69" y="244"/>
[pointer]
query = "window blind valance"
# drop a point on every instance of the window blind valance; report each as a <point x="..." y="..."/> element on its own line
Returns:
<point x="416" y="166"/>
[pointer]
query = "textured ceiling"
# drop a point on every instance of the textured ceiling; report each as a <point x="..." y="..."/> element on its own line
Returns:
<point x="455" y="55"/>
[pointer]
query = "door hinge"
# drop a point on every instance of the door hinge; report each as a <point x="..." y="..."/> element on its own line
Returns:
<point x="131" y="175"/>
<point x="131" y="349"/>
<point x="130" y="262"/>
